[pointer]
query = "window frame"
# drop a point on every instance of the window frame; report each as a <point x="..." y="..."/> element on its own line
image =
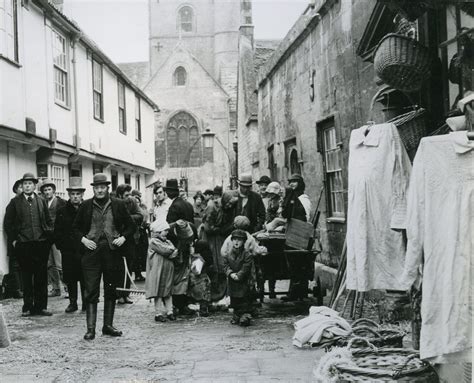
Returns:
<point x="59" y="182"/>
<point x="180" y="20"/>
<point x="122" y="109"/>
<point x="138" y="121"/>
<point x="99" y="93"/>
<point x="61" y="68"/>
<point x="182" y="70"/>
<point x="5" y="55"/>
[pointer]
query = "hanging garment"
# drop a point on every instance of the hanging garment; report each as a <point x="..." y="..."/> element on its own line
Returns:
<point x="440" y="227"/>
<point x="379" y="170"/>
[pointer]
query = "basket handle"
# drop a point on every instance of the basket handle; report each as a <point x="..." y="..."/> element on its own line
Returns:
<point x="366" y="321"/>
<point x="397" y="372"/>
<point x="359" y="329"/>
<point x="358" y="338"/>
<point x="372" y="103"/>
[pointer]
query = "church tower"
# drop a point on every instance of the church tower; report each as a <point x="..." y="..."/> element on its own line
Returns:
<point x="194" y="55"/>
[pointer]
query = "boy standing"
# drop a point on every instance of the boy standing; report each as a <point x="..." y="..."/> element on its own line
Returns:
<point x="238" y="268"/>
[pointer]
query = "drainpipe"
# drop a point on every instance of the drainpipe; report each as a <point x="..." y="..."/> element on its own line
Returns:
<point x="76" y="111"/>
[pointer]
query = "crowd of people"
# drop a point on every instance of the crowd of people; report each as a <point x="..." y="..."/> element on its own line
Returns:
<point x="193" y="254"/>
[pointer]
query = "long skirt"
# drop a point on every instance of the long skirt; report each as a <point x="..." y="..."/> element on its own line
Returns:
<point x="181" y="278"/>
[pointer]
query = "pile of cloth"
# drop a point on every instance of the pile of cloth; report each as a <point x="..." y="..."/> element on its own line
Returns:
<point x="322" y="328"/>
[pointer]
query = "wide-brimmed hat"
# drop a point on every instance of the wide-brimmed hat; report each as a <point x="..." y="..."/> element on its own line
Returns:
<point x="75" y="184"/>
<point x="183" y="229"/>
<point x="29" y="177"/>
<point x="245" y="180"/>
<point x="295" y="177"/>
<point x="100" y="179"/>
<point x="47" y="182"/>
<point x="264" y="180"/>
<point x="239" y="234"/>
<point x="171" y="184"/>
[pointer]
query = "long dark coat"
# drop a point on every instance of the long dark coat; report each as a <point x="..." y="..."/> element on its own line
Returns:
<point x="180" y="209"/>
<point x="239" y="262"/>
<point x="254" y="210"/>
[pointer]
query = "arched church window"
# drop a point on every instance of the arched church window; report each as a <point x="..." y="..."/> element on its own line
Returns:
<point x="294" y="163"/>
<point x="180" y="76"/>
<point x="186" y="19"/>
<point x="184" y="144"/>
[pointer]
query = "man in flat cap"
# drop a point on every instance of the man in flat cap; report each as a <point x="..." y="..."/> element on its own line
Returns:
<point x="29" y="230"/>
<point x="101" y="227"/>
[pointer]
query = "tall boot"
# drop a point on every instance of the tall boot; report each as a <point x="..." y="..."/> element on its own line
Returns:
<point x="91" y="315"/>
<point x="72" y="288"/>
<point x="108" y="328"/>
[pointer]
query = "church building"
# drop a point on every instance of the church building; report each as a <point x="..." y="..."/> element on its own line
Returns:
<point x="192" y="73"/>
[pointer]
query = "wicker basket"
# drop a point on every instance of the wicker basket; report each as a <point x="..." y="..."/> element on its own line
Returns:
<point x="366" y="329"/>
<point x="385" y="365"/>
<point x="402" y="63"/>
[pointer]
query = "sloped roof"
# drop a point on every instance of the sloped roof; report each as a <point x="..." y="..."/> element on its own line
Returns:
<point x="138" y="72"/>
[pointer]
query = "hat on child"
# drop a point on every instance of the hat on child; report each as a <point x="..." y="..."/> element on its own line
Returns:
<point x="159" y="226"/>
<point x="183" y="229"/>
<point x="239" y="234"/>
<point x="241" y="222"/>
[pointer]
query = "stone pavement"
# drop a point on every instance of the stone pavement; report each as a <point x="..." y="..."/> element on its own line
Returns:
<point x="188" y="350"/>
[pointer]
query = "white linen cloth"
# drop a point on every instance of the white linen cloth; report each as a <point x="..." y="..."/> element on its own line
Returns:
<point x="440" y="230"/>
<point x="323" y="326"/>
<point x="379" y="171"/>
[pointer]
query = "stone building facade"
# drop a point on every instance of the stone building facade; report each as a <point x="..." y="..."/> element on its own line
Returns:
<point x="311" y="93"/>
<point x="192" y="72"/>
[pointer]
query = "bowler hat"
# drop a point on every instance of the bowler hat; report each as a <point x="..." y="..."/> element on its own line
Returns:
<point x="239" y="234"/>
<point x="264" y="180"/>
<point x="29" y="177"/>
<point x="16" y="185"/>
<point x="75" y="184"/>
<point x="47" y="182"/>
<point x="218" y="190"/>
<point x="245" y="180"/>
<point x="172" y="184"/>
<point x="100" y="179"/>
<point x="295" y="177"/>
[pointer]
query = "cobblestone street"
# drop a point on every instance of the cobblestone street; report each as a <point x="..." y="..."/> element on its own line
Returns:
<point x="188" y="350"/>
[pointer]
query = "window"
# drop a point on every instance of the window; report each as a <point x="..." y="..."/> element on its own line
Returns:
<point x="58" y="176"/>
<point x="121" y="108"/>
<point x="333" y="164"/>
<point x="295" y="167"/>
<point x="185" y="19"/>
<point x="126" y="179"/>
<point x="60" y="61"/>
<point x="272" y="167"/>
<point x="137" y="182"/>
<point x="138" y="119"/>
<point x="97" y="168"/>
<point x="184" y="145"/>
<point x="179" y="76"/>
<point x="114" y="179"/>
<point x="97" y="83"/>
<point x="9" y="29"/>
<point x="75" y="169"/>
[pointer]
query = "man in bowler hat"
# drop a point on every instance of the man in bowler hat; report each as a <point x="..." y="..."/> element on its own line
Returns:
<point x="29" y="231"/>
<point x="101" y="227"/>
<point x="65" y="242"/>
<point x="250" y="204"/>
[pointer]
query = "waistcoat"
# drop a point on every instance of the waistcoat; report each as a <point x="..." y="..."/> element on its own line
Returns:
<point x="30" y="222"/>
<point x="102" y="224"/>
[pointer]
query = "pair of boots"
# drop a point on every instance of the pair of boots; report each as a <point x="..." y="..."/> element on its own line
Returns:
<point x="72" y="291"/>
<point x="107" y="328"/>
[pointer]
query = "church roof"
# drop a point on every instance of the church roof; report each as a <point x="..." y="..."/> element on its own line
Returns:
<point x="138" y="72"/>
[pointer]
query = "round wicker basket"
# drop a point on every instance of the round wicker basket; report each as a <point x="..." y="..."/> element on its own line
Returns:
<point x="402" y="63"/>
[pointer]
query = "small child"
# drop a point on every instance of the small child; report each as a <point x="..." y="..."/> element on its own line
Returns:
<point x="238" y="268"/>
<point x="199" y="282"/>
<point x="160" y="271"/>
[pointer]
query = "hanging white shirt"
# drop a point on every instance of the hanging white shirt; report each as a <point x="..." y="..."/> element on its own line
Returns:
<point x="440" y="227"/>
<point x="379" y="170"/>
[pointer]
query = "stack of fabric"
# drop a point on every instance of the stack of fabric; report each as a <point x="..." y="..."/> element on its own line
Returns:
<point x="322" y="328"/>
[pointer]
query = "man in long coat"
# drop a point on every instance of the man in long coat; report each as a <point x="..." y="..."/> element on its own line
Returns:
<point x="65" y="242"/>
<point x="250" y="204"/>
<point x="102" y="226"/>
<point x="29" y="230"/>
<point x="179" y="208"/>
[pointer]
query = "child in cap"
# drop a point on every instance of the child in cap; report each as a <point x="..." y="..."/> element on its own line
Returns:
<point x="160" y="271"/>
<point x="199" y="288"/>
<point x="238" y="268"/>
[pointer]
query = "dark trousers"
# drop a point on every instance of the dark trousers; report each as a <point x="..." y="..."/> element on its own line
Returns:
<point x="140" y="254"/>
<point x="101" y="262"/>
<point x="72" y="272"/>
<point x="33" y="260"/>
<point x="241" y="305"/>
<point x="301" y="269"/>
<point x="12" y="281"/>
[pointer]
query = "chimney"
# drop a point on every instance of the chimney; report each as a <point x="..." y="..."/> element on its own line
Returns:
<point x="58" y="4"/>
